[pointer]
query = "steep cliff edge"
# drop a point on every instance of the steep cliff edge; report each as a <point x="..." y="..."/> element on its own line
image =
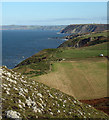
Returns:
<point x="84" y="28"/>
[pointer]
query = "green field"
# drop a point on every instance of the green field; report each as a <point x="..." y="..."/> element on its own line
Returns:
<point x="85" y="52"/>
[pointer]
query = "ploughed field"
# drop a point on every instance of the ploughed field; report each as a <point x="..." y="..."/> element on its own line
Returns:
<point x="100" y="104"/>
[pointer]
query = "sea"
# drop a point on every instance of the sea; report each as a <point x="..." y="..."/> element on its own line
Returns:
<point x="17" y="45"/>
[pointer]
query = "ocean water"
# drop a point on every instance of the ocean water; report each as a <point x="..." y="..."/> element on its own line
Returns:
<point x="18" y="45"/>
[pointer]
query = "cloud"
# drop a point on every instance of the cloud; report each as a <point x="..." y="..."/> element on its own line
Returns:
<point x="69" y="19"/>
<point x="63" y="21"/>
<point x="60" y="19"/>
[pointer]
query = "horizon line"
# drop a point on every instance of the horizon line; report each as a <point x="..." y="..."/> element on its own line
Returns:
<point x="50" y="25"/>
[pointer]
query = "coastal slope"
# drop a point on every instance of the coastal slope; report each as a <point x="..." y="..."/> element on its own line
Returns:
<point x="78" y="71"/>
<point x="86" y="39"/>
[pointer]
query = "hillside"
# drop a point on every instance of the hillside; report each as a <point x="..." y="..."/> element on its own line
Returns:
<point x="26" y="99"/>
<point x="80" y="72"/>
<point x="87" y="39"/>
<point x="84" y="28"/>
<point x="66" y="69"/>
<point x="41" y="62"/>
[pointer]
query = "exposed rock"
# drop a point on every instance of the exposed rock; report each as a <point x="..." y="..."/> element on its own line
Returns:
<point x="13" y="114"/>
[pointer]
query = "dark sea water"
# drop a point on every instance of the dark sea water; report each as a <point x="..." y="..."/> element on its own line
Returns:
<point x="18" y="45"/>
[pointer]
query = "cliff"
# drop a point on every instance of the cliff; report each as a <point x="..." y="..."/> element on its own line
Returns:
<point x="84" y="28"/>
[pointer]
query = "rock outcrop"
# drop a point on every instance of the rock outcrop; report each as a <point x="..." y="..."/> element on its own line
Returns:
<point x="23" y="98"/>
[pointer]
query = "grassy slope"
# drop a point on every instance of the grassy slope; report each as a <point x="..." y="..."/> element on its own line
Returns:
<point x="87" y="39"/>
<point x="37" y="64"/>
<point x="85" y="52"/>
<point x="35" y="100"/>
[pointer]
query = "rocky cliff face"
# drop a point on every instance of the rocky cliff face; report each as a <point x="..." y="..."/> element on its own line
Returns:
<point x="84" y="28"/>
<point x="25" y="99"/>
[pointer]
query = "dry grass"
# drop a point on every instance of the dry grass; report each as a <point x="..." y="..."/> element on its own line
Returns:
<point x="85" y="79"/>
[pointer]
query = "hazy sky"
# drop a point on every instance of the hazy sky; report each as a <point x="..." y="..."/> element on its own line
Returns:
<point x="54" y="13"/>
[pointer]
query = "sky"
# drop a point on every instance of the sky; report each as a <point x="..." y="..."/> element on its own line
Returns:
<point x="53" y="13"/>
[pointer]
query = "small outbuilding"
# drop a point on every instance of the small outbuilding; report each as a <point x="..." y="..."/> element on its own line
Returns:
<point x="101" y="55"/>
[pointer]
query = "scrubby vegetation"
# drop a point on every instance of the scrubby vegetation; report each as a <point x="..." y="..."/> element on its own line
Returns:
<point x="26" y="99"/>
